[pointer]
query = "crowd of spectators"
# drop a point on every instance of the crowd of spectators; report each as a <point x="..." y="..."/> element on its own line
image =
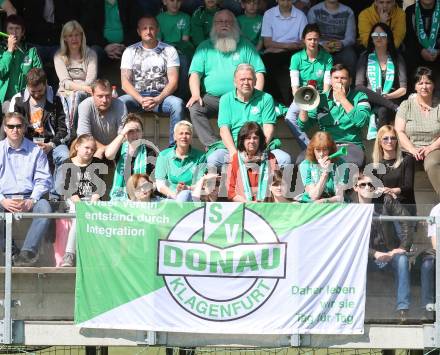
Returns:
<point x="374" y="66"/>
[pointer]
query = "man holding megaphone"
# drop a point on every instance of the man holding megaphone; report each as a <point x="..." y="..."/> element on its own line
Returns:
<point x="341" y="112"/>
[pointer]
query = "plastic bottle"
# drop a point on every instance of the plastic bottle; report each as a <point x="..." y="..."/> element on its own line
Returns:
<point x="114" y="92"/>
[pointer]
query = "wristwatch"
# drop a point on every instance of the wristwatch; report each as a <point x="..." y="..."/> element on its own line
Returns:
<point x="34" y="201"/>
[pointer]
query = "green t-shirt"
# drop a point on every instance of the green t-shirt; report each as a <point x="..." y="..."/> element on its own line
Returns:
<point x="311" y="70"/>
<point x="173" y="26"/>
<point x="331" y="117"/>
<point x="113" y="31"/>
<point x="174" y="170"/>
<point x="311" y="173"/>
<point x="251" y="27"/>
<point x="234" y="113"/>
<point x="201" y="23"/>
<point x="216" y="69"/>
<point x="172" y="29"/>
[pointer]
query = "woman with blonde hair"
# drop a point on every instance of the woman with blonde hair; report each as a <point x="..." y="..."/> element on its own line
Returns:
<point x="323" y="181"/>
<point x="178" y="168"/>
<point x="397" y="174"/>
<point x="76" y="67"/>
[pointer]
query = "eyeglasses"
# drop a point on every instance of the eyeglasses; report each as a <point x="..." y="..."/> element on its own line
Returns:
<point x="379" y="34"/>
<point x="363" y="185"/>
<point x="389" y="139"/>
<point x="12" y="126"/>
<point x="145" y="187"/>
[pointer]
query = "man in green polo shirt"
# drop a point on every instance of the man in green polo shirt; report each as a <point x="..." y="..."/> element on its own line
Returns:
<point x="212" y="72"/>
<point x="341" y="112"/>
<point x="241" y="105"/>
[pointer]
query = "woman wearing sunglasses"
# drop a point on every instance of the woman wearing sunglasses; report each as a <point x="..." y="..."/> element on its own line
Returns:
<point x="140" y="188"/>
<point x="397" y="175"/>
<point x="128" y="145"/>
<point x="381" y="74"/>
<point x="418" y="126"/>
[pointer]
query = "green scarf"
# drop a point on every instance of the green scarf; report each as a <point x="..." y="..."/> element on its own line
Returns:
<point x="118" y="191"/>
<point x="425" y="41"/>
<point x="263" y="176"/>
<point x="375" y="76"/>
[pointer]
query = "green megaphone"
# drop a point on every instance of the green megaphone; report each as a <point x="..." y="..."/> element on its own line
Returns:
<point x="343" y="151"/>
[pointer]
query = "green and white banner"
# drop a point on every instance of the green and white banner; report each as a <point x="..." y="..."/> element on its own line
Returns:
<point x="222" y="267"/>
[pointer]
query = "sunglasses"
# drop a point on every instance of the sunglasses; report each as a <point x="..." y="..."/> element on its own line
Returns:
<point x="363" y="185"/>
<point x="12" y="126"/>
<point x="389" y="139"/>
<point x="145" y="187"/>
<point x="379" y="34"/>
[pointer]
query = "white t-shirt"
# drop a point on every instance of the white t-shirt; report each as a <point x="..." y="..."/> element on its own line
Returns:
<point x="432" y="228"/>
<point x="149" y="66"/>
<point x="283" y="29"/>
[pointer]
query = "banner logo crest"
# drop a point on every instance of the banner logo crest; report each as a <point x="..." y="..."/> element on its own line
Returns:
<point x="228" y="246"/>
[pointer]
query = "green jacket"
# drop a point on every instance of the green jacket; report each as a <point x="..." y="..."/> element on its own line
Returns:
<point x="14" y="68"/>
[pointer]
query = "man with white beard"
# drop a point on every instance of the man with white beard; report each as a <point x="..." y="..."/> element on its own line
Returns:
<point x="212" y="72"/>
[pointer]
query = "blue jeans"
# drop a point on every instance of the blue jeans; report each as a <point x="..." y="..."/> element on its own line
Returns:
<point x="292" y="122"/>
<point x="399" y="264"/>
<point x="36" y="232"/>
<point x="427" y="280"/>
<point x="184" y="196"/>
<point x="172" y="105"/>
<point x="221" y="156"/>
